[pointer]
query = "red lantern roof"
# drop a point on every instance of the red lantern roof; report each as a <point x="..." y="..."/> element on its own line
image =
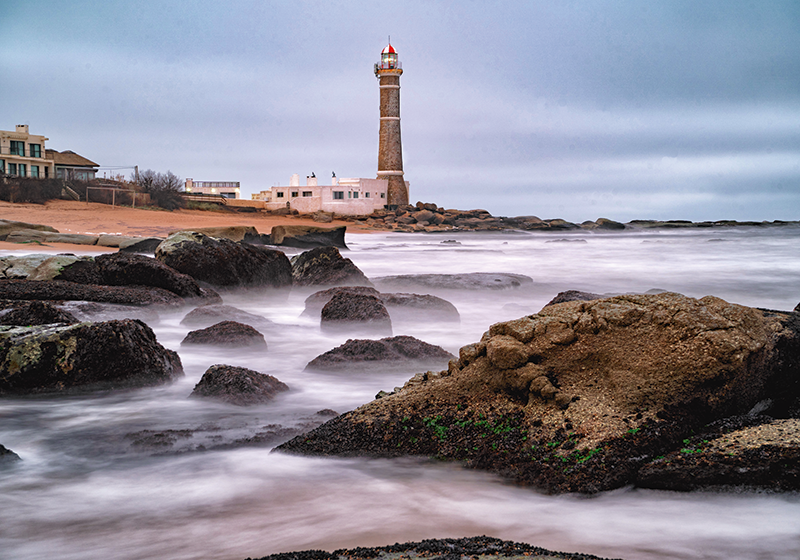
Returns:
<point x="389" y="50"/>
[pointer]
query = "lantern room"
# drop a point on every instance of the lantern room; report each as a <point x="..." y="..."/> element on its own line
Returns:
<point x="389" y="58"/>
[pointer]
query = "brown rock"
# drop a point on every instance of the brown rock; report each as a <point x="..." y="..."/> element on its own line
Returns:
<point x="238" y="385"/>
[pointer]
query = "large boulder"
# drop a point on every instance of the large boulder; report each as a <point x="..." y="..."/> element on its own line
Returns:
<point x="419" y="307"/>
<point x="36" y="313"/>
<point x="238" y="385"/>
<point x="325" y="266"/>
<point x="7" y="226"/>
<point x="580" y="396"/>
<point x="355" y="312"/>
<point x="224" y="263"/>
<point x="59" y="290"/>
<point x="84" y="356"/>
<point x="227" y="333"/>
<point x="316" y="301"/>
<point x="470" y="281"/>
<point x="399" y="352"/>
<point x="306" y="237"/>
<point x="21" y="267"/>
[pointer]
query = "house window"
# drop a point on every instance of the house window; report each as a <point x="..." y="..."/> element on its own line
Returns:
<point x="2" y="166"/>
<point x="46" y="172"/>
<point x="34" y="171"/>
<point x="355" y="194"/>
<point x="23" y="170"/>
<point x="294" y="194"/>
<point x="338" y="195"/>
<point x="17" y="148"/>
<point x="366" y="194"/>
<point x="307" y="193"/>
<point x="59" y="172"/>
<point x="383" y="195"/>
<point x="12" y="168"/>
<point x="35" y="150"/>
<point x="278" y="194"/>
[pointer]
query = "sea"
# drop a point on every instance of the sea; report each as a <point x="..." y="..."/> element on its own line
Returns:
<point x="152" y="473"/>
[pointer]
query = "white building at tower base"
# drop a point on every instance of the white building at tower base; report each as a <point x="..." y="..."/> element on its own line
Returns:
<point x="346" y="196"/>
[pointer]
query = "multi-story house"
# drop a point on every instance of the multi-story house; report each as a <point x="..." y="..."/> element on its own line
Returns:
<point x="23" y="154"/>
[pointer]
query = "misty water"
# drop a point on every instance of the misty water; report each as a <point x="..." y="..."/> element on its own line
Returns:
<point x="89" y="488"/>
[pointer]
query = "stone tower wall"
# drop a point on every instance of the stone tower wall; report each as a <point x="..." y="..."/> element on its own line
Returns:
<point x="390" y="150"/>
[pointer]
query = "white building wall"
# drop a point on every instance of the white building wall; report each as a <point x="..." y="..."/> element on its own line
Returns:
<point x="359" y="196"/>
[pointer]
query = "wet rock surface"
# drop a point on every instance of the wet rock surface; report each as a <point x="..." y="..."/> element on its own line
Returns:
<point x="473" y="281"/>
<point x="325" y="266"/>
<point x="316" y="301"/>
<point x="582" y="395"/>
<point x="36" y="313"/>
<point x="395" y="352"/>
<point x="237" y="385"/>
<point x="468" y="548"/>
<point x="573" y="295"/>
<point x="223" y="263"/>
<point x="306" y="237"/>
<point x="408" y="307"/>
<point x="59" y="290"/>
<point x="84" y="356"/>
<point x="8" y="457"/>
<point x="227" y="333"/>
<point x="346" y="312"/>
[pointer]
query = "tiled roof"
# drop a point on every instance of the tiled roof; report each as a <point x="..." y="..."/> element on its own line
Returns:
<point x="68" y="157"/>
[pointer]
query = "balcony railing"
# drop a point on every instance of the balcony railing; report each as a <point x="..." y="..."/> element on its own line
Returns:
<point x="7" y="151"/>
<point x="388" y="66"/>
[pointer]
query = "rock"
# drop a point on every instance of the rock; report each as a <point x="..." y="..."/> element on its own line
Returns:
<point x="399" y="352"/>
<point x="610" y="225"/>
<point x="7" y="457"/>
<point x="306" y="237"/>
<point x="238" y="385"/>
<point x="415" y="307"/>
<point x="765" y="456"/>
<point x="59" y="290"/>
<point x="29" y="235"/>
<point x="573" y="295"/>
<point x="470" y="281"/>
<point x="608" y="385"/>
<point x="322" y="217"/>
<point x="316" y="301"/>
<point x="8" y="226"/>
<point x="147" y="245"/>
<point x="52" y="267"/>
<point x="20" y="268"/>
<point x="207" y="315"/>
<point x="84" y="356"/>
<point x="36" y="313"/>
<point x="232" y="233"/>
<point x="227" y="333"/>
<point x="485" y="548"/>
<point x="225" y="264"/>
<point x="325" y="266"/>
<point x="356" y="312"/>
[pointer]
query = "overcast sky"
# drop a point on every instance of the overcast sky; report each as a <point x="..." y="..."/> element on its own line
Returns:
<point x="578" y="110"/>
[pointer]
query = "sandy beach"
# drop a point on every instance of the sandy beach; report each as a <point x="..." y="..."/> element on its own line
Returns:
<point x="94" y="218"/>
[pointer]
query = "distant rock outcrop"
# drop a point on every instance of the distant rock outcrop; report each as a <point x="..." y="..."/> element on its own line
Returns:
<point x="582" y="395"/>
<point x="223" y="263"/>
<point x="399" y="352"/>
<point x="227" y="333"/>
<point x="325" y="266"/>
<point x="470" y="281"/>
<point x="306" y="237"/>
<point x="84" y="356"/>
<point x="238" y="385"/>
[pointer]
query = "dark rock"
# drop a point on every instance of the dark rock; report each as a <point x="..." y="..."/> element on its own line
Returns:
<point x="37" y="313"/>
<point x="85" y="356"/>
<point x="356" y="312"/>
<point x="238" y="385"/>
<point x="227" y="333"/>
<point x="64" y="291"/>
<point x="224" y="263"/>
<point x="325" y="266"/>
<point x="399" y="352"/>
<point x="306" y="237"/>
<point x="611" y="225"/>
<point x="582" y="395"/>
<point x="81" y="271"/>
<point x="207" y="315"/>
<point x="471" y="281"/>
<point x="146" y="245"/>
<point x="439" y="549"/>
<point x="573" y="295"/>
<point x="415" y="307"/>
<point x="7" y="457"/>
<point x="316" y="301"/>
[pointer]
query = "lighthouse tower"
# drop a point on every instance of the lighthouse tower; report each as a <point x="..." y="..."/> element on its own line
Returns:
<point x="390" y="151"/>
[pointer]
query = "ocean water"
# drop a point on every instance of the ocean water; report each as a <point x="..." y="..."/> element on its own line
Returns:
<point x="97" y="479"/>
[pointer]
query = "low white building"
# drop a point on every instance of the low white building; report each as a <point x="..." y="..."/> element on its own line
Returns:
<point x="226" y="189"/>
<point x="348" y="196"/>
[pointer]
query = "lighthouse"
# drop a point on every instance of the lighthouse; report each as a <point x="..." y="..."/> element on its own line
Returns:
<point x="390" y="151"/>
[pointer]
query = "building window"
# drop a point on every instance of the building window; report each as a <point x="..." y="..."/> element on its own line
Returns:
<point x="59" y="172"/>
<point x="46" y="172"/>
<point x="17" y="148"/>
<point x="383" y="195"/>
<point x="12" y="168"/>
<point x="23" y="170"/>
<point x="294" y="194"/>
<point x="278" y="194"/>
<point x="34" y="171"/>
<point x="2" y="166"/>
<point x="338" y="195"/>
<point x="35" y="150"/>
<point x="307" y="193"/>
<point x="366" y="194"/>
<point x="355" y="194"/>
